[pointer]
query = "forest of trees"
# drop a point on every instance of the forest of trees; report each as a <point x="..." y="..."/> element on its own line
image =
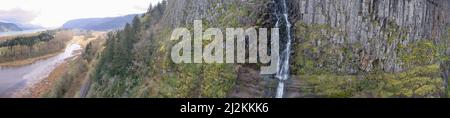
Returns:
<point x="23" y="47"/>
<point x="118" y="49"/>
<point x="118" y="58"/>
<point x="136" y="63"/>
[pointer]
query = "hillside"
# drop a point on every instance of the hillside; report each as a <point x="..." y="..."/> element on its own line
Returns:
<point x="99" y="24"/>
<point x="340" y="48"/>
<point x="6" y="27"/>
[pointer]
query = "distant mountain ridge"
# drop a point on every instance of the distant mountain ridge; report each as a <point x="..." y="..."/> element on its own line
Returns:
<point x="27" y="26"/>
<point x="99" y="24"/>
<point x="6" y="27"/>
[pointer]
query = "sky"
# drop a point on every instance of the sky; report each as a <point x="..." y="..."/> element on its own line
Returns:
<point x="54" y="13"/>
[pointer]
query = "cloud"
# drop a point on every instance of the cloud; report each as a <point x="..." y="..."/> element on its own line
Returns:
<point x="17" y="15"/>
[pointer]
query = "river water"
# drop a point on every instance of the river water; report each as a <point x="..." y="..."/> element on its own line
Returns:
<point x="14" y="79"/>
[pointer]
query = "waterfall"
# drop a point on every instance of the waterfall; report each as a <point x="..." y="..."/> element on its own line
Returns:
<point x="283" y="65"/>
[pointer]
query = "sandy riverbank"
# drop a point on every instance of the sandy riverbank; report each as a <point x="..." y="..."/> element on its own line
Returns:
<point x="40" y="88"/>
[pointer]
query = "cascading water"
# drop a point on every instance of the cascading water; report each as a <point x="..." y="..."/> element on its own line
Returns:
<point x="282" y="74"/>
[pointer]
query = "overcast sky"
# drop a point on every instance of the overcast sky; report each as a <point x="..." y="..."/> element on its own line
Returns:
<point x="54" y="13"/>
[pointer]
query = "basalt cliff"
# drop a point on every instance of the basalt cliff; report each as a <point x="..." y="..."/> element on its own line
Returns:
<point x="338" y="48"/>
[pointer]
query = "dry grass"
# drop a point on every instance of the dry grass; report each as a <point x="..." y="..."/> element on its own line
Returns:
<point x="83" y="41"/>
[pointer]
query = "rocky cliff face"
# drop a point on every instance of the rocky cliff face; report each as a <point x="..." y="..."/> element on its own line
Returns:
<point x="368" y="39"/>
<point x="342" y="48"/>
<point x="351" y="36"/>
<point x="149" y="69"/>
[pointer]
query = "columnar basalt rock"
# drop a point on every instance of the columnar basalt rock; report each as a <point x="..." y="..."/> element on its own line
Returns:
<point x="365" y="35"/>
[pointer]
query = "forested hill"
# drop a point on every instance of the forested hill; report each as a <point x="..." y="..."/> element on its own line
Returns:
<point x="5" y="27"/>
<point x="136" y="61"/>
<point x="99" y="24"/>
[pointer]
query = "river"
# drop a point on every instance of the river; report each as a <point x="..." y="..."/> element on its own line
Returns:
<point x="15" y="79"/>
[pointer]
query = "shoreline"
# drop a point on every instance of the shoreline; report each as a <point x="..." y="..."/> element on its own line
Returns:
<point x="28" y="61"/>
<point x="40" y="88"/>
<point x="45" y="84"/>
